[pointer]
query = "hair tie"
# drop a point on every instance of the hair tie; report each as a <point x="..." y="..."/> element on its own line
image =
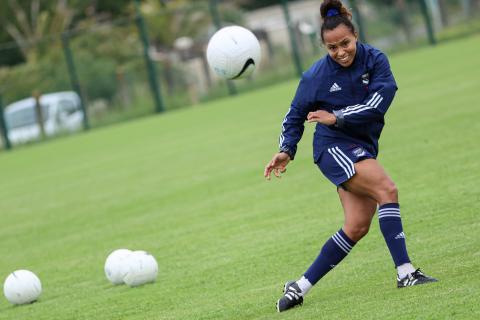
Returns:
<point x="332" y="12"/>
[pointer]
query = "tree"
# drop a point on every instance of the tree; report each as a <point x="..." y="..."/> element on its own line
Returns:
<point x="30" y="27"/>
<point x="170" y="20"/>
<point x="443" y="12"/>
<point x="401" y="17"/>
<point x="255" y="4"/>
<point x="100" y="10"/>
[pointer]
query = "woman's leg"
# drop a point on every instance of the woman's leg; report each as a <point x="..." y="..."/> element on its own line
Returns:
<point x="358" y="211"/>
<point x="372" y="181"/>
<point x="369" y="185"/>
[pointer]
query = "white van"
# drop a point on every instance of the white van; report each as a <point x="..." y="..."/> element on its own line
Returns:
<point x="61" y="112"/>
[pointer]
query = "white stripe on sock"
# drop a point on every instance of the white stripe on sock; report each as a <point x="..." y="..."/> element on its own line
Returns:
<point x="389" y="215"/>
<point x="340" y="245"/>
<point x="344" y="241"/>
<point x="389" y="209"/>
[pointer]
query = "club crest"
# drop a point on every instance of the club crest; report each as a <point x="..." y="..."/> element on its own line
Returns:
<point x="365" y="79"/>
<point x="359" y="152"/>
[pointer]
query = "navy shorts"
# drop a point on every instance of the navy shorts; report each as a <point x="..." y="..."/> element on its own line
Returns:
<point x="336" y="161"/>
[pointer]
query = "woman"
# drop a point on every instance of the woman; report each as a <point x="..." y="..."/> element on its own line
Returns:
<point x="347" y="94"/>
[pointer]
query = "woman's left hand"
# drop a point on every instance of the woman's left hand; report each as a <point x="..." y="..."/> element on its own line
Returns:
<point x="322" y="116"/>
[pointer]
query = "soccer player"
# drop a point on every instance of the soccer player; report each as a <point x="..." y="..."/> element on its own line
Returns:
<point x="347" y="94"/>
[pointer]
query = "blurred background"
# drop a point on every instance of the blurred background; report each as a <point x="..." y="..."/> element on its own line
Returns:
<point x="74" y="65"/>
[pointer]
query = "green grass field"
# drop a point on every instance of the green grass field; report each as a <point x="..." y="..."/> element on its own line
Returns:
<point x="188" y="187"/>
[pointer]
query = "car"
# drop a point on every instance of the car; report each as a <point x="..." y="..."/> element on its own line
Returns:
<point x="61" y="112"/>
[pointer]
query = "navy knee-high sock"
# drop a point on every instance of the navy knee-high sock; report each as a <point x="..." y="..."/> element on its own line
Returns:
<point x="391" y="226"/>
<point x="334" y="250"/>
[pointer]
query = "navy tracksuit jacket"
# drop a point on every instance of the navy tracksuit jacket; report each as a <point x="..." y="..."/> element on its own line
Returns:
<point x="358" y="95"/>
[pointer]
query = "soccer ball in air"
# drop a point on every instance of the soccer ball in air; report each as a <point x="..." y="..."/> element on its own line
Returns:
<point x="22" y="286"/>
<point x="233" y="52"/>
<point x="116" y="265"/>
<point x="142" y="268"/>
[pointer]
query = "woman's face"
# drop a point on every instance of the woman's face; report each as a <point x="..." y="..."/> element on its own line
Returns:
<point x="341" y="44"/>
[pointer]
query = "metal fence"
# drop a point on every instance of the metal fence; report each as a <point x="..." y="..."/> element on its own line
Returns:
<point x="154" y="60"/>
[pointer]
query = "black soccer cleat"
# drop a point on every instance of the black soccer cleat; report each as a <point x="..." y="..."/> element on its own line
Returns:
<point x="414" y="279"/>
<point x="291" y="297"/>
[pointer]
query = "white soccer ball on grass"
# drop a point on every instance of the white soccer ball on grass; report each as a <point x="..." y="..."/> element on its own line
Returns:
<point x="142" y="269"/>
<point x="22" y="286"/>
<point x="116" y="265"/>
<point x="233" y="52"/>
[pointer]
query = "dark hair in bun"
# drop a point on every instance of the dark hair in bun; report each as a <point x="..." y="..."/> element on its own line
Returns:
<point x="334" y="13"/>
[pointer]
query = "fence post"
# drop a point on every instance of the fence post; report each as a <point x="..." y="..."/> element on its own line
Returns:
<point x="359" y="20"/>
<point x="213" y="5"/>
<point x="72" y="72"/>
<point x="3" y="126"/>
<point x="428" y="22"/>
<point x="314" y="42"/>
<point x="152" y="74"/>
<point x="293" y="42"/>
<point x="467" y="8"/>
<point x="39" y="113"/>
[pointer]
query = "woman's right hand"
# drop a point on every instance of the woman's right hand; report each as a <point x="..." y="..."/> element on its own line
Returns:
<point x="278" y="165"/>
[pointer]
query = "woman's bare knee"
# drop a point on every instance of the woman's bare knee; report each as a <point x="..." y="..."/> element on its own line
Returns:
<point x="387" y="193"/>
<point x="356" y="232"/>
<point x="372" y="181"/>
